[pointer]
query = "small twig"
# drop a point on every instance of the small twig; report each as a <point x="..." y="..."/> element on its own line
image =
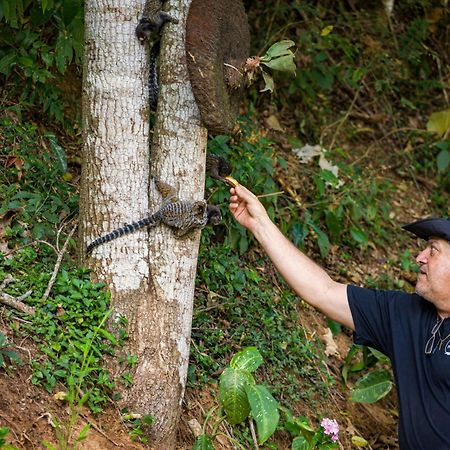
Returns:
<point x="100" y="430"/>
<point x="15" y="303"/>
<point x="291" y="192"/>
<point x="24" y="296"/>
<point x="8" y="279"/>
<point x="252" y="430"/>
<point x="19" y="319"/>
<point x="270" y="194"/>
<point x="58" y="264"/>
<point x="14" y="250"/>
<point x="25" y="350"/>
<point x="234" y="68"/>
<point x="49" y="418"/>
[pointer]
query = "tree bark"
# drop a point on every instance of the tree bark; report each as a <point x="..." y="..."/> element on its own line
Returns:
<point x="151" y="274"/>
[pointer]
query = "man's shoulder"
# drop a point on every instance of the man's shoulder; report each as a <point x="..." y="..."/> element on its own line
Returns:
<point x="386" y="293"/>
<point x="396" y="299"/>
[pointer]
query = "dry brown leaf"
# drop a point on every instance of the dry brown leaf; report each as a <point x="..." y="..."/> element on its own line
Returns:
<point x="273" y="123"/>
<point x="195" y="427"/>
<point x="330" y="346"/>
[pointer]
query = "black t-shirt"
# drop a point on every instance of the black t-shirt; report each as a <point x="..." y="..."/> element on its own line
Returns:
<point x="399" y="325"/>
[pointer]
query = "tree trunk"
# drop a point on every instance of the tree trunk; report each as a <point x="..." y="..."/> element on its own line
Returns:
<point x="151" y="274"/>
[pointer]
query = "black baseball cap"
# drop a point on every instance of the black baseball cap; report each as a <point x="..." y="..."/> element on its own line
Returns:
<point x="430" y="227"/>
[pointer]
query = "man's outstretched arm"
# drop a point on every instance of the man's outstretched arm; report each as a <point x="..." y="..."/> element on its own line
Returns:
<point x="308" y="279"/>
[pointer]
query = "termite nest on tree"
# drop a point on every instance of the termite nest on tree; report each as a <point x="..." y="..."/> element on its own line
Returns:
<point x="217" y="46"/>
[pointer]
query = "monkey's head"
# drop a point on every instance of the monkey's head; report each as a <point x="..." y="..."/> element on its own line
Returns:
<point x="144" y="30"/>
<point x="153" y="24"/>
<point x="214" y="215"/>
<point x="219" y="168"/>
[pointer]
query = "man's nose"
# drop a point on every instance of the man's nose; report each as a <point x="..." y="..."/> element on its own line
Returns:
<point x="422" y="257"/>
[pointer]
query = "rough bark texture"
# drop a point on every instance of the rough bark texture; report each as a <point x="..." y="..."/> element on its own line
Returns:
<point x="150" y="274"/>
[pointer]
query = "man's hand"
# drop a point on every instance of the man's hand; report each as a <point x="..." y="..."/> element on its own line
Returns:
<point x="247" y="209"/>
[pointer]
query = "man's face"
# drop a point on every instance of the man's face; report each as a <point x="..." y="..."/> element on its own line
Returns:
<point x="433" y="282"/>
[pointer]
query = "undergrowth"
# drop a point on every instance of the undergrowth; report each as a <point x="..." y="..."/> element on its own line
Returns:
<point x="364" y="91"/>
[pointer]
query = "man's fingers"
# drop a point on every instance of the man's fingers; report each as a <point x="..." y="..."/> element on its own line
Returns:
<point x="244" y="193"/>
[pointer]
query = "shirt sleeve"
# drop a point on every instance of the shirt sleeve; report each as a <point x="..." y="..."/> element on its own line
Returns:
<point x="372" y="315"/>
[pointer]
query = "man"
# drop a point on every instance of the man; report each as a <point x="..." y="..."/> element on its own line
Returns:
<point x="412" y="329"/>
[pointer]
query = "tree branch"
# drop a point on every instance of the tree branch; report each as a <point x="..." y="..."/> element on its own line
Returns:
<point x="58" y="264"/>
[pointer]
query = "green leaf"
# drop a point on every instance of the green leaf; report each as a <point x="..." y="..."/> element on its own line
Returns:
<point x="106" y="334"/>
<point x="303" y="423"/>
<point x="300" y="443"/>
<point x="439" y="122"/>
<point x="13" y="356"/>
<point x="322" y="240"/>
<point x="47" y="4"/>
<point x="70" y="9"/>
<point x="443" y="160"/>
<point x="264" y="410"/>
<point x="7" y="63"/>
<point x="84" y="399"/>
<point x="64" y="51"/>
<point x="335" y="327"/>
<point x="371" y="387"/>
<point x="232" y="395"/>
<point x="203" y="442"/>
<point x="59" y="153"/>
<point x="83" y="432"/>
<point x="248" y="359"/>
<point x="334" y="225"/>
<point x="283" y="64"/>
<point x="269" y="83"/>
<point x="359" y="236"/>
<point x="379" y="355"/>
<point x="278" y="49"/>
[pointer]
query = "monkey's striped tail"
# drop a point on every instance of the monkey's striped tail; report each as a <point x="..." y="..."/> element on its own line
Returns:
<point x="150" y="221"/>
<point x="153" y="88"/>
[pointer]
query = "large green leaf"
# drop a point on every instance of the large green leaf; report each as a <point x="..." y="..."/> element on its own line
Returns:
<point x="232" y="395"/>
<point x="248" y="359"/>
<point x="279" y="57"/>
<point x="283" y="63"/>
<point x="264" y="410"/>
<point x="371" y="387"/>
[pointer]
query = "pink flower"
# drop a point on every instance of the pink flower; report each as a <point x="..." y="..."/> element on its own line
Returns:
<point x="330" y="428"/>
